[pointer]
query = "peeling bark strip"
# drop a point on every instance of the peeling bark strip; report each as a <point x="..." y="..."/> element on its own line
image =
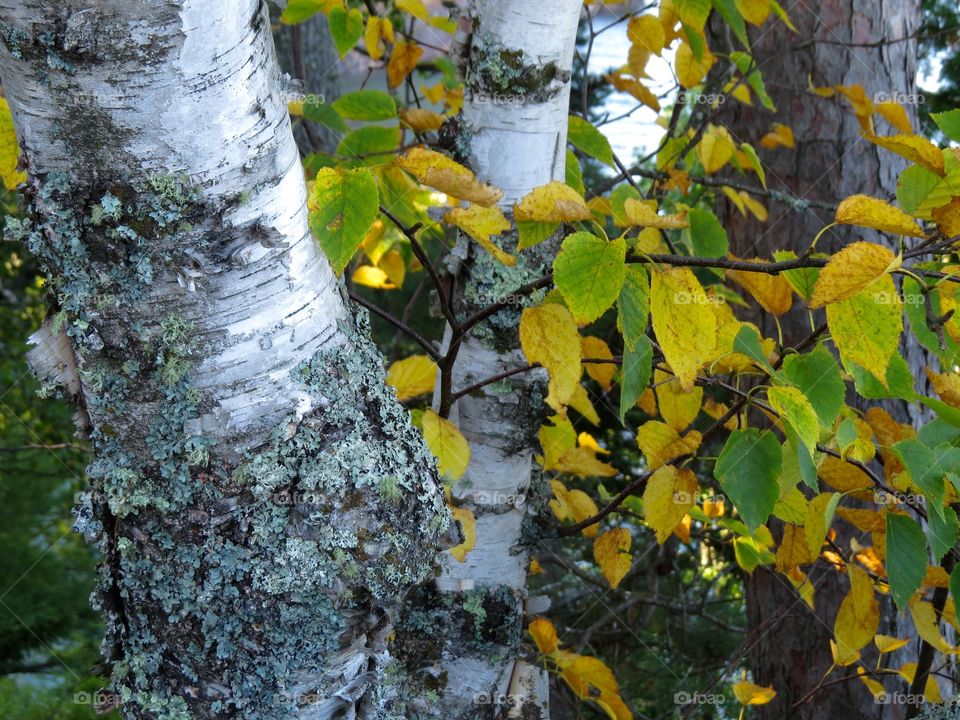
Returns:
<point x="517" y="66"/>
<point x="259" y="496"/>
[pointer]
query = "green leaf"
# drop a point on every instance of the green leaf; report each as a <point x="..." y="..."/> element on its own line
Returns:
<point x="707" y="236"/>
<point x="589" y="271"/>
<point x="747" y="342"/>
<point x="532" y="233"/>
<point x="366" y="105"/>
<point x="297" y="11"/>
<point x="926" y="467"/>
<point x="728" y="11"/>
<point x="942" y="532"/>
<point x="899" y="382"/>
<point x="346" y="27"/>
<point x="635" y="373"/>
<point x="633" y="306"/>
<point x="323" y="113"/>
<point x="586" y="138"/>
<point x="343" y="206"/>
<point x="692" y="12"/>
<point x="915" y="308"/>
<point x="372" y="144"/>
<point x="949" y="123"/>
<point x="906" y="558"/>
<point x="573" y="175"/>
<point x="914" y="185"/>
<point x="618" y="197"/>
<point x="817" y="375"/>
<point x="947" y="413"/>
<point x="747" y="469"/>
<point x="801" y="279"/>
<point x="751" y="72"/>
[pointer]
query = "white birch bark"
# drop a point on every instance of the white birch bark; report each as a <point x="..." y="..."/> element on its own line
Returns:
<point x="259" y="496"/>
<point x="517" y="65"/>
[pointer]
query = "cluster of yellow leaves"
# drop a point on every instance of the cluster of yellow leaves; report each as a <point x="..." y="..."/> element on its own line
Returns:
<point x="588" y="677"/>
<point x="864" y="107"/>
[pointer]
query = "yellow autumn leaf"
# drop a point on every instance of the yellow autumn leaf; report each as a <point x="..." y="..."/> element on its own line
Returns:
<point x="678" y="407"/>
<point x="403" y="60"/>
<point x="421" y="119"/>
<point x="555" y="439"/>
<point x="851" y="270"/>
<point x="482" y="223"/>
<point x="554" y="202"/>
<point x="756" y="207"/>
<point x="874" y="213"/>
<point x="914" y="148"/>
<point x="635" y="88"/>
<point x="582" y="507"/>
<point x="647" y="32"/>
<point x="9" y="149"/>
<point x="594" y="348"/>
<point x="895" y="114"/>
<point x="682" y="322"/>
<point x="412" y="376"/>
<point x="815" y="521"/>
<point x="925" y="620"/>
<point x="544" y="634"/>
<point x="582" y="462"/>
<point x="414" y="7"/>
<point x="887" y="644"/>
<point x="749" y="694"/>
<point x="780" y="135"/>
<point x="793" y="550"/>
<point x="690" y="71"/>
<point x="612" y="553"/>
<point x="945" y="385"/>
<point x="754" y="12"/>
<point x="947" y="218"/>
<point x="669" y="495"/>
<point x="858" y="617"/>
<point x="715" y="148"/>
<point x="643" y="213"/>
<point x="448" y="176"/>
<point x="773" y="292"/>
<point x="660" y="443"/>
<point x="447" y="444"/>
<point x="548" y="335"/>
<point x="372" y="277"/>
<point x="378" y="31"/>
<point x="393" y="266"/>
<point x="469" y="525"/>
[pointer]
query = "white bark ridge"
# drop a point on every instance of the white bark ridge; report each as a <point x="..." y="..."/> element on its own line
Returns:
<point x="259" y="496"/>
<point x="517" y="67"/>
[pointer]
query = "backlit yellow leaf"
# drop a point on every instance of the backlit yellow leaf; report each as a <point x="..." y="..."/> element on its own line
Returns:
<point x="447" y="444"/>
<point x="647" y="32"/>
<point x="871" y="212"/>
<point x="886" y="643"/>
<point x="754" y="12"/>
<point x="448" y="176"/>
<point x="866" y="327"/>
<point x="412" y="376"/>
<point x="858" y="617"/>
<point x="596" y="349"/>
<point x="372" y="277"/>
<point x="554" y="202"/>
<point x="421" y="119"/>
<point x="773" y="292"/>
<point x="749" y="694"/>
<point x="612" y="553"/>
<point x="660" y="443"/>
<point x="684" y="326"/>
<point x="914" y="148"/>
<point x="544" y="634"/>
<point x="669" y="494"/>
<point x="715" y="148"/>
<point x="403" y="61"/>
<point x="851" y="270"/>
<point x="779" y="136"/>
<point x="690" y="71"/>
<point x="644" y="214"/>
<point x="947" y="217"/>
<point x="678" y="407"/>
<point x="925" y="620"/>
<point x="548" y="335"/>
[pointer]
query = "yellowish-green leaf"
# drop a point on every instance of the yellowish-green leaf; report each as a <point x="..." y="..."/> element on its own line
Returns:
<point x="555" y="202"/>
<point x="9" y="149"/>
<point x="866" y="327"/>
<point x="482" y="223"/>
<point x="914" y="148"/>
<point x="793" y="407"/>
<point x="643" y="213"/>
<point x="343" y="206"/>
<point x="851" y="270"/>
<point x="589" y="273"/>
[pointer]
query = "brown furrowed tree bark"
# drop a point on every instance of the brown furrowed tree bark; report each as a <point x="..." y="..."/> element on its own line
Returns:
<point x="840" y="42"/>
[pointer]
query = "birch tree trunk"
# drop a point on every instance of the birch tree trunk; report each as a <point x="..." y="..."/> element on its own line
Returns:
<point x="260" y="498"/>
<point x="516" y="62"/>
<point x="831" y="160"/>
